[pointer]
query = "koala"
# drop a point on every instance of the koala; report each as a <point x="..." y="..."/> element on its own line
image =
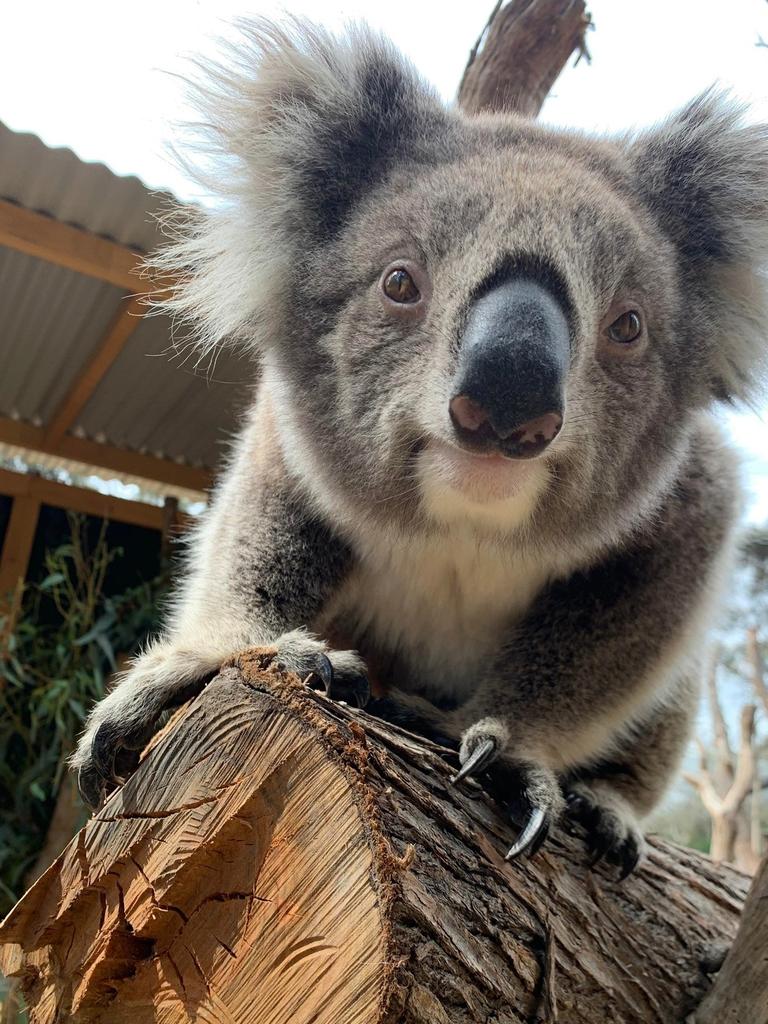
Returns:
<point x="480" y="468"/>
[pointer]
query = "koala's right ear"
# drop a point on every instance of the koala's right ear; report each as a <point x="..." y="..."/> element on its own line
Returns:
<point x="299" y="125"/>
<point x="704" y="176"/>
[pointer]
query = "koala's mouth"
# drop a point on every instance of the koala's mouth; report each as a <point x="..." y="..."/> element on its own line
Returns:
<point x="481" y="478"/>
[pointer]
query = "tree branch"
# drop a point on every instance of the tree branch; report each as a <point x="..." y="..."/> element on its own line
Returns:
<point x="754" y="655"/>
<point x="520" y="53"/>
<point x="740" y="990"/>
<point x="745" y="763"/>
<point x="724" y="776"/>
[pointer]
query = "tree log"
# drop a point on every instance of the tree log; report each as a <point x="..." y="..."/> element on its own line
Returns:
<point x="279" y="858"/>
<point x="518" y="57"/>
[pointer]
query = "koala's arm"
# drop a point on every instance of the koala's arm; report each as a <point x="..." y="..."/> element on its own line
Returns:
<point x="598" y="684"/>
<point x="262" y="566"/>
<point x="612" y="796"/>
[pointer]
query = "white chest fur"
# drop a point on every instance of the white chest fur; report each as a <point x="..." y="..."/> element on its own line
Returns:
<point x="443" y="604"/>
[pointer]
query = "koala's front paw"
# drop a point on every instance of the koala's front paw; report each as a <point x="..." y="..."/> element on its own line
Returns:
<point x="342" y="674"/>
<point x="537" y="789"/>
<point x="612" y="829"/>
<point x="122" y="724"/>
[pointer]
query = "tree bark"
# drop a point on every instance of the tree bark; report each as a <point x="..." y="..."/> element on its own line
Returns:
<point x="524" y="48"/>
<point x="740" y="992"/>
<point x="277" y="858"/>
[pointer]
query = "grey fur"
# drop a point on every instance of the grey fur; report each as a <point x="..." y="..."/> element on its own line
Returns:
<point x="569" y="615"/>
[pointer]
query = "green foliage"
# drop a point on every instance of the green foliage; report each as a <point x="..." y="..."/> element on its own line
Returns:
<point x="68" y="640"/>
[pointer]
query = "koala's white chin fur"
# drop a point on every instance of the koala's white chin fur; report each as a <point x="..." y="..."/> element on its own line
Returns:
<point x="491" y="491"/>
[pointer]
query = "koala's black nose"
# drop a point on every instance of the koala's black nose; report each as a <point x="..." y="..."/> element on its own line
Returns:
<point x="509" y="390"/>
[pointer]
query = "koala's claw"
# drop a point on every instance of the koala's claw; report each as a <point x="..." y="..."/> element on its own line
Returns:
<point x="608" y="836"/>
<point x="533" y="834"/>
<point x="482" y="755"/>
<point x="91" y="786"/>
<point x="341" y="674"/>
<point x="355" y="690"/>
<point x="112" y="760"/>
<point x="537" y="789"/>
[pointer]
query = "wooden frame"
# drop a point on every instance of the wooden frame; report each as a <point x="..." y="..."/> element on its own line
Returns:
<point x="124" y="323"/>
<point x="86" y="253"/>
<point x="104" y="456"/>
<point x="81" y="499"/>
<point x="14" y="558"/>
<point x="48" y="239"/>
<point x="30" y="493"/>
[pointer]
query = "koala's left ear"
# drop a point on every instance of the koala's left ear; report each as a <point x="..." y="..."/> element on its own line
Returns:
<point x="704" y="175"/>
<point x="298" y="125"/>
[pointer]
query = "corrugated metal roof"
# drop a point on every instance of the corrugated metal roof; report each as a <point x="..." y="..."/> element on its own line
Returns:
<point x="72" y="190"/>
<point x="185" y="412"/>
<point x="52" y="320"/>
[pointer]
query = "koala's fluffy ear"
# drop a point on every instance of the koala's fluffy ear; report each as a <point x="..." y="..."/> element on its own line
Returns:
<point x="704" y="174"/>
<point x="297" y="125"/>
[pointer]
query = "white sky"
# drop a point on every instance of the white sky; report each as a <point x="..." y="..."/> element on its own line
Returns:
<point x="92" y="75"/>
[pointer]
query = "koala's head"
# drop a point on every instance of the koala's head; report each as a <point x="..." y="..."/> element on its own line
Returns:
<point x="474" y="320"/>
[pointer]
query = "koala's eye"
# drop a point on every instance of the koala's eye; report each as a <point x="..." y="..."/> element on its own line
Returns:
<point x="400" y="287"/>
<point x="626" y="328"/>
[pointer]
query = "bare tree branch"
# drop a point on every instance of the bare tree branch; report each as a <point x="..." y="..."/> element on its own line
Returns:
<point x="745" y="764"/>
<point x="724" y="767"/>
<point x="754" y="655"/>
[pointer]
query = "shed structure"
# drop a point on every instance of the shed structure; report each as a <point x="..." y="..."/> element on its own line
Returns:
<point x="87" y="383"/>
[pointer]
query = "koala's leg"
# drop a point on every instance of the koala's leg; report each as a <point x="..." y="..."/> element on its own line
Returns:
<point x="262" y="567"/>
<point x="611" y="799"/>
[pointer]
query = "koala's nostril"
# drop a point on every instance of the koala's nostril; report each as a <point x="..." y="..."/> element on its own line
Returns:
<point x="538" y="432"/>
<point x="466" y="413"/>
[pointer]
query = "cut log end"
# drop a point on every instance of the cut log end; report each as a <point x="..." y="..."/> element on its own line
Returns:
<point x="280" y="858"/>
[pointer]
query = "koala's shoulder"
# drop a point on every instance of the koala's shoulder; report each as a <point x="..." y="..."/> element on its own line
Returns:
<point x="707" y="498"/>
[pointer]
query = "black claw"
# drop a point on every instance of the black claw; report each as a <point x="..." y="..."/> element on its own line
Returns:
<point x="103" y="751"/>
<point x="91" y="787"/>
<point x="480" y="758"/>
<point x="323" y="669"/>
<point x="630" y="858"/>
<point x="361" y="691"/>
<point x="532" y="836"/>
<point x="599" y="845"/>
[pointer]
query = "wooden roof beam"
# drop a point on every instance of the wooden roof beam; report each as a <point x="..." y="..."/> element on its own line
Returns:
<point x="37" y="234"/>
<point x="46" y="238"/>
<point x="124" y="323"/>
<point x="27" y="487"/>
<point x="104" y="456"/>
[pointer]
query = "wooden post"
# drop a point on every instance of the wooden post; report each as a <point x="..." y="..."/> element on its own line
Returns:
<point x="170" y="525"/>
<point x="17" y="548"/>
<point x="279" y="858"/>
